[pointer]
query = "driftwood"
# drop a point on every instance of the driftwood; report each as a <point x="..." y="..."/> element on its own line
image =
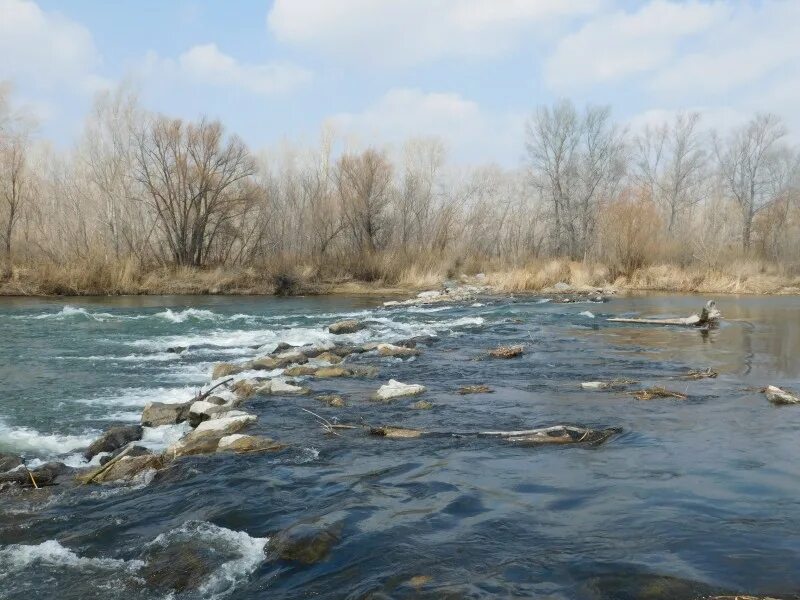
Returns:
<point x="557" y="434"/>
<point x="708" y="316"/>
<point x="207" y="393"/>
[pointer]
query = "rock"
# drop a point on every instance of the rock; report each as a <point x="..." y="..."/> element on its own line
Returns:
<point x="156" y="414"/>
<point x="300" y="371"/>
<point x="248" y="443"/>
<point x="429" y="295"/>
<point x="189" y="446"/>
<point x="395" y="432"/>
<point x="44" y="475"/>
<point x="614" y="384"/>
<point x="134" y="451"/>
<point x="266" y="363"/>
<point x="279" y="386"/>
<point x="244" y="388"/>
<point x="364" y="371"/>
<point x="218" y="400"/>
<point x="232" y="422"/>
<point x="330" y="357"/>
<point x="203" y="410"/>
<point x="332" y="400"/>
<point x="562" y="287"/>
<point x="344" y="351"/>
<point x="177" y="349"/>
<point x="475" y="389"/>
<point x="422" y="405"/>
<point x="346" y="326"/>
<point x="282" y="347"/>
<point x="304" y="543"/>
<point x="657" y="392"/>
<point x="395" y="389"/>
<point x="778" y="396"/>
<point x="312" y="351"/>
<point x="114" y="438"/>
<point x="179" y="568"/>
<point x="507" y="351"/>
<point x="399" y="351"/>
<point x="128" y="467"/>
<point x="324" y="372"/>
<point x="225" y="369"/>
<point x="9" y="461"/>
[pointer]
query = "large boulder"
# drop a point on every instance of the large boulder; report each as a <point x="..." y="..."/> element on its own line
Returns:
<point x="156" y="414"/>
<point x="778" y="396"/>
<point x="346" y="326"/>
<point x="45" y="474"/>
<point x="292" y="357"/>
<point x="113" y="439"/>
<point x="239" y="442"/>
<point x="205" y="438"/>
<point x="303" y="543"/>
<point x="395" y="389"/>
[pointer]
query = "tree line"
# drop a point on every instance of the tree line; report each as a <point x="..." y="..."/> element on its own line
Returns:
<point x="160" y="191"/>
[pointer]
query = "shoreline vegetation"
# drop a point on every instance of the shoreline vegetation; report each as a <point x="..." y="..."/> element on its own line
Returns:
<point x="148" y="204"/>
<point x="547" y="277"/>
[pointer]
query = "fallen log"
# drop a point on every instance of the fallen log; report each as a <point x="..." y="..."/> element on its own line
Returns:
<point x="708" y="316"/>
<point x="557" y="434"/>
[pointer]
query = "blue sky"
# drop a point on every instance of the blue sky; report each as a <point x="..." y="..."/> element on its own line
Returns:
<point x="380" y="71"/>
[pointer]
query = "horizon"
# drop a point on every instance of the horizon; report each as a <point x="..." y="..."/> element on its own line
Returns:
<point x="469" y="72"/>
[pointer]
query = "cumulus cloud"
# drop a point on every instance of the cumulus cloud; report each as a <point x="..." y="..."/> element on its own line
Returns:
<point x="617" y="45"/>
<point x="46" y="49"/>
<point x="206" y="64"/>
<point x="469" y="133"/>
<point x="414" y="31"/>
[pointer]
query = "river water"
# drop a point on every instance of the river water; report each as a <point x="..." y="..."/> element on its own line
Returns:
<point x="694" y="497"/>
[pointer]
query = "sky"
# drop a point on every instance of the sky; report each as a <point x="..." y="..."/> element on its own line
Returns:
<point x="380" y="71"/>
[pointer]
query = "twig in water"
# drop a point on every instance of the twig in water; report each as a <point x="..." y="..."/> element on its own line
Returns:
<point x="326" y="425"/>
<point x="202" y="396"/>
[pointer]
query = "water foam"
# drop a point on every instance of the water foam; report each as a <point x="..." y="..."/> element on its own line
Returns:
<point x="25" y="439"/>
<point x="245" y="554"/>
<point x="51" y="553"/>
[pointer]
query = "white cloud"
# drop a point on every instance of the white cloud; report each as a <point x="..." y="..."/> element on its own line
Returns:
<point x="45" y="49"/>
<point x="206" y="64"/>
<point x="469" y="133"/>
<point x="621" y="44"/>
<point x="414" y="31"/>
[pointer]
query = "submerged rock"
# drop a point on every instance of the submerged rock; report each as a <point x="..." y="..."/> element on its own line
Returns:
<point x="475" y="389"/>
<point x="778" y="396"/>
<point x="44" y="475"/>
<point x="156" y="414"/>
<point x="303" y="543"/>
<point x="180" y="568"/>
<point x="346" y="326"/>
<point x="507" y="351"/>
<point x="332" y="400"/>
<point x="113" y="439"/>
<point x="395" y="432"/>
<point x="657" y="392"/>
<point x="239" y="442"/>
<point x="395" y="389"/>
<point x="422" y="405"/>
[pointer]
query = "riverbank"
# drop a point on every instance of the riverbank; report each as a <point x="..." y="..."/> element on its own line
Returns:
<point x="126" y="278"/>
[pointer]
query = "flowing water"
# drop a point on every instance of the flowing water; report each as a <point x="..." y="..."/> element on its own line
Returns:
<point x="694" y="496"/>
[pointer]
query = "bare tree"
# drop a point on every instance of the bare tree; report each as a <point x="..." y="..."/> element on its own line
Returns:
<point x="193" y="178"/>
<point x="364" y="189"/>
<point x="15" y="184"/>
<point x="744" y="167"/>
<point x="670" y="162"/>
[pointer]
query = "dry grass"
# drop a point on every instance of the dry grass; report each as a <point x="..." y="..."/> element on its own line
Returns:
<point x="383" y="274"/>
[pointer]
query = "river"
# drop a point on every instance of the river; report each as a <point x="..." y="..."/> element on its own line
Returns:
<point x="694" y="497"/>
